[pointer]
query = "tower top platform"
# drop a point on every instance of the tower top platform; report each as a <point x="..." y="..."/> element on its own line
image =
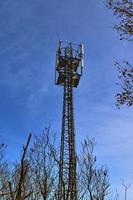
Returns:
<point x="69" y="60"/>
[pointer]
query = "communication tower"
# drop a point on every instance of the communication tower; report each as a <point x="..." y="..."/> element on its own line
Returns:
<point x="69" y="65"/>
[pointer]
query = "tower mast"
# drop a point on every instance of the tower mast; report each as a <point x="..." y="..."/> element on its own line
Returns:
<point x="69" y="64"/>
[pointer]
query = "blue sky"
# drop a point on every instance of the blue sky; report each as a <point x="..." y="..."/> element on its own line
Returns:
<point x="29" y="32"/>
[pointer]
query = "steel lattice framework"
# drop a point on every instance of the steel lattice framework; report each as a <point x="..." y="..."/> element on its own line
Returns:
<point x="69" y="64"/>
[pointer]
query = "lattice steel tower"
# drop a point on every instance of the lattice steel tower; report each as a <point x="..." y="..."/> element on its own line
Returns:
<point x="69" y="64"/>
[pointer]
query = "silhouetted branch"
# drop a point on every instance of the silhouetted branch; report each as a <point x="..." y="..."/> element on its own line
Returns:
<point x="123" y="9"/>
<point x="126" y="77"/>
<point x="23" y="170"/>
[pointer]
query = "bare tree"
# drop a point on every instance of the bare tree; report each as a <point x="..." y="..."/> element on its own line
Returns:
<point x="43" y="166"/>
<point x="126" y="187"/>
<point x="123" y="9"/>
<point x="16" y="179"/>
<point x="94" y="181"/>
<point x="113" y="195"/>
<point x="4" y="172"/>
<point x="126" y="77"/>
<point x="24" y="167"/>
<point x="36" y="175"/>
